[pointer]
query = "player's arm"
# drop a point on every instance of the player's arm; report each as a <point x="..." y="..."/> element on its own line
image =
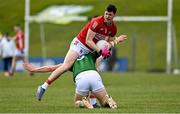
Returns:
<point x="29" y="67"/>
<point x="112" y="43"/>
<point x="118" y="40"/>
<point x="98" y="63"/>
<point x="109" y="38"/>
<point x="89" y="40"/>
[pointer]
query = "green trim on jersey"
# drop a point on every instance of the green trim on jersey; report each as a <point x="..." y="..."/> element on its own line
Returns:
<point x="84" y="63"/>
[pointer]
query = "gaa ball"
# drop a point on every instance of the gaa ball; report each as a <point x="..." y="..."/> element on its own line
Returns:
<point x="102" y="44"/>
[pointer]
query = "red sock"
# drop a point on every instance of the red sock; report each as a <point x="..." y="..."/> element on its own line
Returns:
<point x="48" y="81"/>
<point x="92" y="99"/>
<point x="92" y="96"/>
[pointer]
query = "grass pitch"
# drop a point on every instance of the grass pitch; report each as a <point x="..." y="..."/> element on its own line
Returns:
<point x="139" y="92"/>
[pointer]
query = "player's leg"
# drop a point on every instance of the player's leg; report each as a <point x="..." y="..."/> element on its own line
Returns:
<point x="99" y="90"/>
<point x="13" y="65"/>
<point x="69" y="60"/>
<point x="9" y="63"/>
<point x="18" y="55"/>
<point x="105" y="99"/>
<point x="76" y="50"/>
<point x="93" y="101"/>
<point x="84" y="82"/>
<point x="82" y="91"/>
<point x="5" y="61"/>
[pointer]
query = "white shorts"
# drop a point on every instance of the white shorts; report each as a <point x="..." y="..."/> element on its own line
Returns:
<point x="80" y="48"/>
<point x="20" y="52"/>
<point x="88" y="81"/>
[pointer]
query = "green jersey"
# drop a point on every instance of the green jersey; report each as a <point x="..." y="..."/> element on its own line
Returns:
<point x="84" y="63"/>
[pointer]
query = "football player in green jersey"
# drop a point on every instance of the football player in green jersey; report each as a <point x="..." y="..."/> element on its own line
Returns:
<point x="86" y="79"/>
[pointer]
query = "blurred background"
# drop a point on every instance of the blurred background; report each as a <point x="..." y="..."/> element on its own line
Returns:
<point x="145" y="49"/>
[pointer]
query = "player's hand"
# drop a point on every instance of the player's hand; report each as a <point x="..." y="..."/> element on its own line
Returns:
<point x="29" y="67"/>
<point x="105" y="52"/>
<point x="110" y="50"/>
<point x="121" y="38"/>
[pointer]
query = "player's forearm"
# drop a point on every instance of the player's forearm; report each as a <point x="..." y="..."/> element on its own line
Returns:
<point x="92" y="45"/>
<point x="48" y="68"/>
<point x="113" y="43"/>
<point x="45" y="69"/>
<point x="89" y="40"/>
<point x="98" y="63"/>
<point x="117" y="40"/>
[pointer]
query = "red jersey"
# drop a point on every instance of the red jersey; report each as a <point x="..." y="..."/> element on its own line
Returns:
<point x="100" y="27"/>
<point x="20" y="40"/>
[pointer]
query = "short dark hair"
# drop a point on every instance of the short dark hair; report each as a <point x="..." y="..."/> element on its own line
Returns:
<point x="111" y="8"/>
<point x="17" y="25"/>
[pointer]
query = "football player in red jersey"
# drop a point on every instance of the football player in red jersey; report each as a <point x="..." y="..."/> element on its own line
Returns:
<point x="20" y="51"/>
<point x="102" y="27"/>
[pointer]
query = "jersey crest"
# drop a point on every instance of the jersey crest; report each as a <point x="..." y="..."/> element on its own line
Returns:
<point x="94" y="25"/>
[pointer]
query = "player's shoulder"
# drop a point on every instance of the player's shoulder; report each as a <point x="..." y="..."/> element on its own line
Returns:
<point x="20" y="33"/>
<point x="98" y="19"/>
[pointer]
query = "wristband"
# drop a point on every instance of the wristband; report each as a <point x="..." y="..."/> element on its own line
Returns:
<point x="112" y="43"/>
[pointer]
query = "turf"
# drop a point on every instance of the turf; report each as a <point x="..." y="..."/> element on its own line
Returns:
<point x="134" y="92"/>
